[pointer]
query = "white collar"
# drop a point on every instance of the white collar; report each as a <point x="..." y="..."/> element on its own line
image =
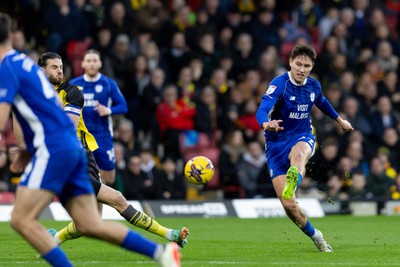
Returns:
<point x="88" y="79"/>
<point x="294" y="82"/>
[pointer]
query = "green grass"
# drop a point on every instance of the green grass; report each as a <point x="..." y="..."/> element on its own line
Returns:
<point x="357" y="241"/>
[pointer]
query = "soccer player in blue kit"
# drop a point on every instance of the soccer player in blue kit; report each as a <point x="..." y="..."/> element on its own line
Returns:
<point x="285" y="115"/>
<point x="102" y="99"/>
<point x="58" y="165"/>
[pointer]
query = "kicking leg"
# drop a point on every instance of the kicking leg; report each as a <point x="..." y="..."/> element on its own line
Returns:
<point x="297" y="215"/>
<point x="115" y="199"/>
<point x="88" y="222"/>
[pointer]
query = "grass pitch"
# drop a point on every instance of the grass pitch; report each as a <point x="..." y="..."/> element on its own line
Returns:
<point x="357" y="241"/>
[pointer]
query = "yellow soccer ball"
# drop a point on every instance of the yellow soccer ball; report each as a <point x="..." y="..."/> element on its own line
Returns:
<point x="199" y="170"/>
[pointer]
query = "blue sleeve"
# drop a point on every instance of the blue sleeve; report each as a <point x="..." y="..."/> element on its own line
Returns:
<point x="119" y="105"/>
<point x="8" y="83"/>
<point x="323" y="104"/>
<point x="274" y="93"/>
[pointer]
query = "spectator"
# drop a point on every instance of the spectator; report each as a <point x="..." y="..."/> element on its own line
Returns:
<point x="120" y="166"/>
<point x="309" y="189"/>
<point x="378" y="183"/>
<point x="392" y="143"/>
<point x="170" y="184"/>
<point x="207" y="118"/>
<point x="263" y="31"/>
<point x="174" y="116"/>
<point x="124" y="135"/>
<point x="118" y="21"/>
<point x="95" y="14"/>
<point x="150" y="99"/>
<point x="336" y="188"/>
<point x="137" y="185"/>
<point x="187" y="89"/>
<point x="150" y="171"/>
<point x="121" y="59"/>
<point x="251" y="87"/>
<point x="247" y="121"/>
<point x="355" y="116"/>
<point x="231" y="154"/>
<point x="154" y="58"/>
<point x="326" y="23"/>
<point x="177" y="56"/>
<point x="358" y="183"/>
<point x="249" y="168"/>
<point x="152" y="17"/>
<point x="208" y="53"/>
<point x="324" y="162"/>
<point x="384" y="117"/>
<point x="244" y="56"/>
<point x="64" y="22"/>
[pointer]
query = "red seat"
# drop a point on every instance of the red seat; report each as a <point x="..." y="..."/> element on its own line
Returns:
<point x="7" y="198"/>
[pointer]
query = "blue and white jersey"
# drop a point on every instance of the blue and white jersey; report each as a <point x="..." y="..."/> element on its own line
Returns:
<point x="292" y="103"/>
<point x="105" y="91"/>
<point x="25" y="86"/>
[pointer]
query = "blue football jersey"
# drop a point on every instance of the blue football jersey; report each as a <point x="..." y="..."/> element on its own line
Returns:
<point x="292" y="103"/>
<point x="105" y="91"/>
<point x="25" y="86"/>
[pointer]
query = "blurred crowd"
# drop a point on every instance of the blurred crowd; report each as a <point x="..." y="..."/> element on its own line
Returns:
<point x="193" y="73"/>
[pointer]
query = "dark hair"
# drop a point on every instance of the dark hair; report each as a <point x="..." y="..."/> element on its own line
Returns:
<point x="5" y="27"/>
<point x="46" y="56"/>
<point x="304" y="49"/>
<point x="91" y="51"/>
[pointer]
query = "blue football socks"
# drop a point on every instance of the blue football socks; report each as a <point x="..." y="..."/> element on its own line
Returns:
<point x="136" y="242"/>
<point x="299" y="179"/>
<point x="57" y="257"/>
<point x="308" y="229"/>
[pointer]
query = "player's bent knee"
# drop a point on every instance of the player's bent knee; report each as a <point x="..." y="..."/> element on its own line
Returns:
<point x="119" y="199"/>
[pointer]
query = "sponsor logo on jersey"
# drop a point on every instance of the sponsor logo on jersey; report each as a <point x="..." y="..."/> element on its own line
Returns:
<point x="271" y="89"/>
<point x="292" y="98"/>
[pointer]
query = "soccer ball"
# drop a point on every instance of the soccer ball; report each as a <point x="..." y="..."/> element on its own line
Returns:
<point x="199" y="170"/>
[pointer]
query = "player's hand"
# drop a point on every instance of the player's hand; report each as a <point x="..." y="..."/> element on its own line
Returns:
<point x="273" y="126"/>
<point x="102" y="110"/>
<point x="20" y="158"/>
<point x="345" y="125"/>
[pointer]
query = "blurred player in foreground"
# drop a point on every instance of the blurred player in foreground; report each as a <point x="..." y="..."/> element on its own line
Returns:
<point x="58" y="165"/>
<point x="72" y="99"/>
<point x="102" y="99"/>
<point x="285" y="115"/>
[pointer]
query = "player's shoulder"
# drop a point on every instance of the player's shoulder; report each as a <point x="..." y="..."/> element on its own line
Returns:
<point x="67" y="87"/>
<point x="313" y="82"/>
<point x="76" y="80"/>
<point x="280" y="79"/>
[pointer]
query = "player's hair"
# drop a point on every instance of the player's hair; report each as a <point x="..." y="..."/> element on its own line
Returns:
<point x="46" y="56"/>
<point x="91" y="51"/>
<point x="5" y="27"/>
<point x="304" y="49"/>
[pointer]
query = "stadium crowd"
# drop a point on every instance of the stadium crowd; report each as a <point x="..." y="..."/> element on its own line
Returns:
<point x="193" y="73"/>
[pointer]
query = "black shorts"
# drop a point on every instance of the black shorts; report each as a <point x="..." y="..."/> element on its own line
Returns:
<point x="93" y="171"/>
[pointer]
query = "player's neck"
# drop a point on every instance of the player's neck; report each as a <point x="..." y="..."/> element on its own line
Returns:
<point x="91" y="78"/>
<point x="4" y="49"/>
<point x="296" y="82"/>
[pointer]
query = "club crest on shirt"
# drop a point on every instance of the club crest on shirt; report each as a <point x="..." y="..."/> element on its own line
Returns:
<point x="98" y="88"/>
<point x="312" y="97"/>
<point x="270" y="89"/>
